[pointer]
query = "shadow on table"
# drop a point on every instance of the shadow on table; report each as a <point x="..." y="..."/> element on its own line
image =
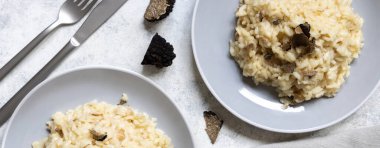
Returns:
<point x="150" y="70"/>
<point x="239" y="126"/>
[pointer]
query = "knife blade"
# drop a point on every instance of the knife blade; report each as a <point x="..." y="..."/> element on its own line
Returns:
<point x="98" y="16"/>
<point x="101" y="13"/>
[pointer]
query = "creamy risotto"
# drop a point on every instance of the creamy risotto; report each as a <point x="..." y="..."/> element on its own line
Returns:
<point x="303" y="48"/>
<point x="98" y="125"/>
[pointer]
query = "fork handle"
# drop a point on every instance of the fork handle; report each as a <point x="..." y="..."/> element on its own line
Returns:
<point x="7" y="110"/>
<point x="27" y="49"/>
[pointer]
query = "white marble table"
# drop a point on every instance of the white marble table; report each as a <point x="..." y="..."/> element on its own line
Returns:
<point x="122" y="42"/>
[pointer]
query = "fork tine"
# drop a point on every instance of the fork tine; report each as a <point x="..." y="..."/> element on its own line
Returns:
<point x="76" y="1"/>
<point x="83" y="3"/>
<point x="90" y="5"/>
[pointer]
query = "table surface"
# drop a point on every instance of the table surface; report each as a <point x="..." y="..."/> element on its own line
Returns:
<point x="122" y="42"/>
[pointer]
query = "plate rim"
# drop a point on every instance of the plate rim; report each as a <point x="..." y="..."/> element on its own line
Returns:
<point x="305" y="130"/>
<point x="92" y="67"/>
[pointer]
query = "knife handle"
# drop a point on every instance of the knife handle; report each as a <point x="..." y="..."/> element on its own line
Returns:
<point x="7" y="110"/>
<point x="27" y="49"/>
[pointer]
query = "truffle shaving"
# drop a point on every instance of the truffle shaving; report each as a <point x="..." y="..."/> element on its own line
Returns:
<point x="97" y="135"/>
<point x="305" y="28"/>
<point x="300" y="40"/>
<point x="123" y="99"/>
<point x="213" y="125"/>
<point x="289" y="67"/>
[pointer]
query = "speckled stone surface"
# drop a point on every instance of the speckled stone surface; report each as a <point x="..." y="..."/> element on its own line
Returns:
<point x="122" y="42"/>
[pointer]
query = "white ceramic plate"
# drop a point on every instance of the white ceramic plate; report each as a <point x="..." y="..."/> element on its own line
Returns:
<point x="213" y="28"/>
<point x="79" y="86"/>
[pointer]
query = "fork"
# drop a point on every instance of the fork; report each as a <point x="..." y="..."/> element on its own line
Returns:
<point x="70" y="13"/>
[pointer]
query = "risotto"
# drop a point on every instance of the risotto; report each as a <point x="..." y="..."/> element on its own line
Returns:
<point x="98" y="124"/>
<point x="303" y="48"/>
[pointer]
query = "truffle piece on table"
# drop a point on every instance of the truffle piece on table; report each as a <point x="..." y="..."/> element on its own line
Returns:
<point x="158" y="10"/>
<point x="160" y="53"/>
<point x="213" y="125"/>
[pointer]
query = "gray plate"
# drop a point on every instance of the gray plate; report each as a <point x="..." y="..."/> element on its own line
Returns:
<point x="79" y="86"/>
<point x="213" y="28"/>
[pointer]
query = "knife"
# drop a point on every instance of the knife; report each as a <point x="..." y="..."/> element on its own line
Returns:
<point x="101" y="13"/>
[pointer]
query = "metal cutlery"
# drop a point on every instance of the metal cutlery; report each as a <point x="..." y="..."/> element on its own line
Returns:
<point x="102" y="12"/>
<point x="71" y="12"/>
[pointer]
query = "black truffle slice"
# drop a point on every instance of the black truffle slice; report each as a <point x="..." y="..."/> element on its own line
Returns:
<point x="305" y="28"/>
<point x="160" y="53"/>
<point x="213" y="125"/>
<point x="300" y="40"/>
<point x="158" y="10"/>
